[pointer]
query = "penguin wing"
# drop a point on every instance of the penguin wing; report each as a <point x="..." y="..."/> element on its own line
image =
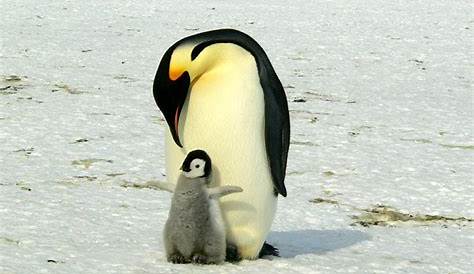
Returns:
<point x="277" y="124"/>
<point x="277" y="118"/>
<point x="219" y="191"/>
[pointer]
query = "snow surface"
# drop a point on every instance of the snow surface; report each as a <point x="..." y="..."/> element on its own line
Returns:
<point x="387" y="120"/>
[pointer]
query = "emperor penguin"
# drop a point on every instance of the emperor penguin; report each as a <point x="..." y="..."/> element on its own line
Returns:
<point x="195" y="230"/>
<point x="218" y="91"/>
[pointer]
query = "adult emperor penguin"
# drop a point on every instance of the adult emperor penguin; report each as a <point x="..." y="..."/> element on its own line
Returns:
<point x="219" y="92"/>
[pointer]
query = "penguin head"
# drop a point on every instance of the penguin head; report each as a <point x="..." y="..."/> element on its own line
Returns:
<point x="196" y="164"/>
<point x="175" y="75"/>
<point x="185" y="62"/>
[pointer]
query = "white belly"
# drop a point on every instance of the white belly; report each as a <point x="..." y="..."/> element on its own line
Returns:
<point x="226" y="119"/>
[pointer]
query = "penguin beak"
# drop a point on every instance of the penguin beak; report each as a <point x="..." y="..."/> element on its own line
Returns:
<point x="170" y="95"/>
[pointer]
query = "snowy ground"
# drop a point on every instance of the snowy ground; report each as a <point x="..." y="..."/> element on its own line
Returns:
<point x="381" y="102"/>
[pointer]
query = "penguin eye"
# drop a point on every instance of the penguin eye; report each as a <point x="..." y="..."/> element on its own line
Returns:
<point x="196" y="166"/>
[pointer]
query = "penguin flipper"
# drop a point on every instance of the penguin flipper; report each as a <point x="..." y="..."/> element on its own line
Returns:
<point x="277" y="125"/>
<point x="219" y="191"/>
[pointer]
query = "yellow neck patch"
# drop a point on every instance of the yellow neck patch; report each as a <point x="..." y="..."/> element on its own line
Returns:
<point x="180" y="61"/>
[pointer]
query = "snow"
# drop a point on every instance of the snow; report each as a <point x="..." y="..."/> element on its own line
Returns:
<point x="387" y="120"/>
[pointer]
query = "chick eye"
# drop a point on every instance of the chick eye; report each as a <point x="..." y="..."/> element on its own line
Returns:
<point x="196" y="166"/>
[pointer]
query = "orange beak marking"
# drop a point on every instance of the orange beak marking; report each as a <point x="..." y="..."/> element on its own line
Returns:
<point x="175" y="73"/>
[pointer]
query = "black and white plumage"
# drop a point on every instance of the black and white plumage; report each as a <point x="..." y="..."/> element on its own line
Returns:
<point x="218" y="91"/>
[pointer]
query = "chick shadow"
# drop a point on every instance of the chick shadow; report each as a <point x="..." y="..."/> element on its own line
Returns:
<point x="301" y="242"/>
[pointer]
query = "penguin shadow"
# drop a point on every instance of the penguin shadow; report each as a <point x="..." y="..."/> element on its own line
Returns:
<point x="301" y="242"/>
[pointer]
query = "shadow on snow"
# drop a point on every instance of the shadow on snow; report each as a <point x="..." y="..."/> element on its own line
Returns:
<point x="300" y="242"/>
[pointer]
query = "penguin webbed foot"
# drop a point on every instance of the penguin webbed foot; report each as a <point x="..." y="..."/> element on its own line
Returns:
<point x="199" y="259"/>
<point x="232" y="253"/>
<point x="268" y="250"/>
<point x="178" y="259"/>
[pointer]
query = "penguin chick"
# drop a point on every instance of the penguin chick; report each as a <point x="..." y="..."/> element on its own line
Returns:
<point x="194" y="231"/>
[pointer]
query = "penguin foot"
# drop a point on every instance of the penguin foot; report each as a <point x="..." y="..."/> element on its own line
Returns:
<point x="199" y="259"/>
<point x="232" y="253"/>
<point x="178" y="259"/>
<point x="268" y="250"/>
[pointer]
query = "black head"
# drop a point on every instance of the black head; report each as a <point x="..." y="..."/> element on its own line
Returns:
<point x="197" y="164"/>
<point x="180" y="66"/>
